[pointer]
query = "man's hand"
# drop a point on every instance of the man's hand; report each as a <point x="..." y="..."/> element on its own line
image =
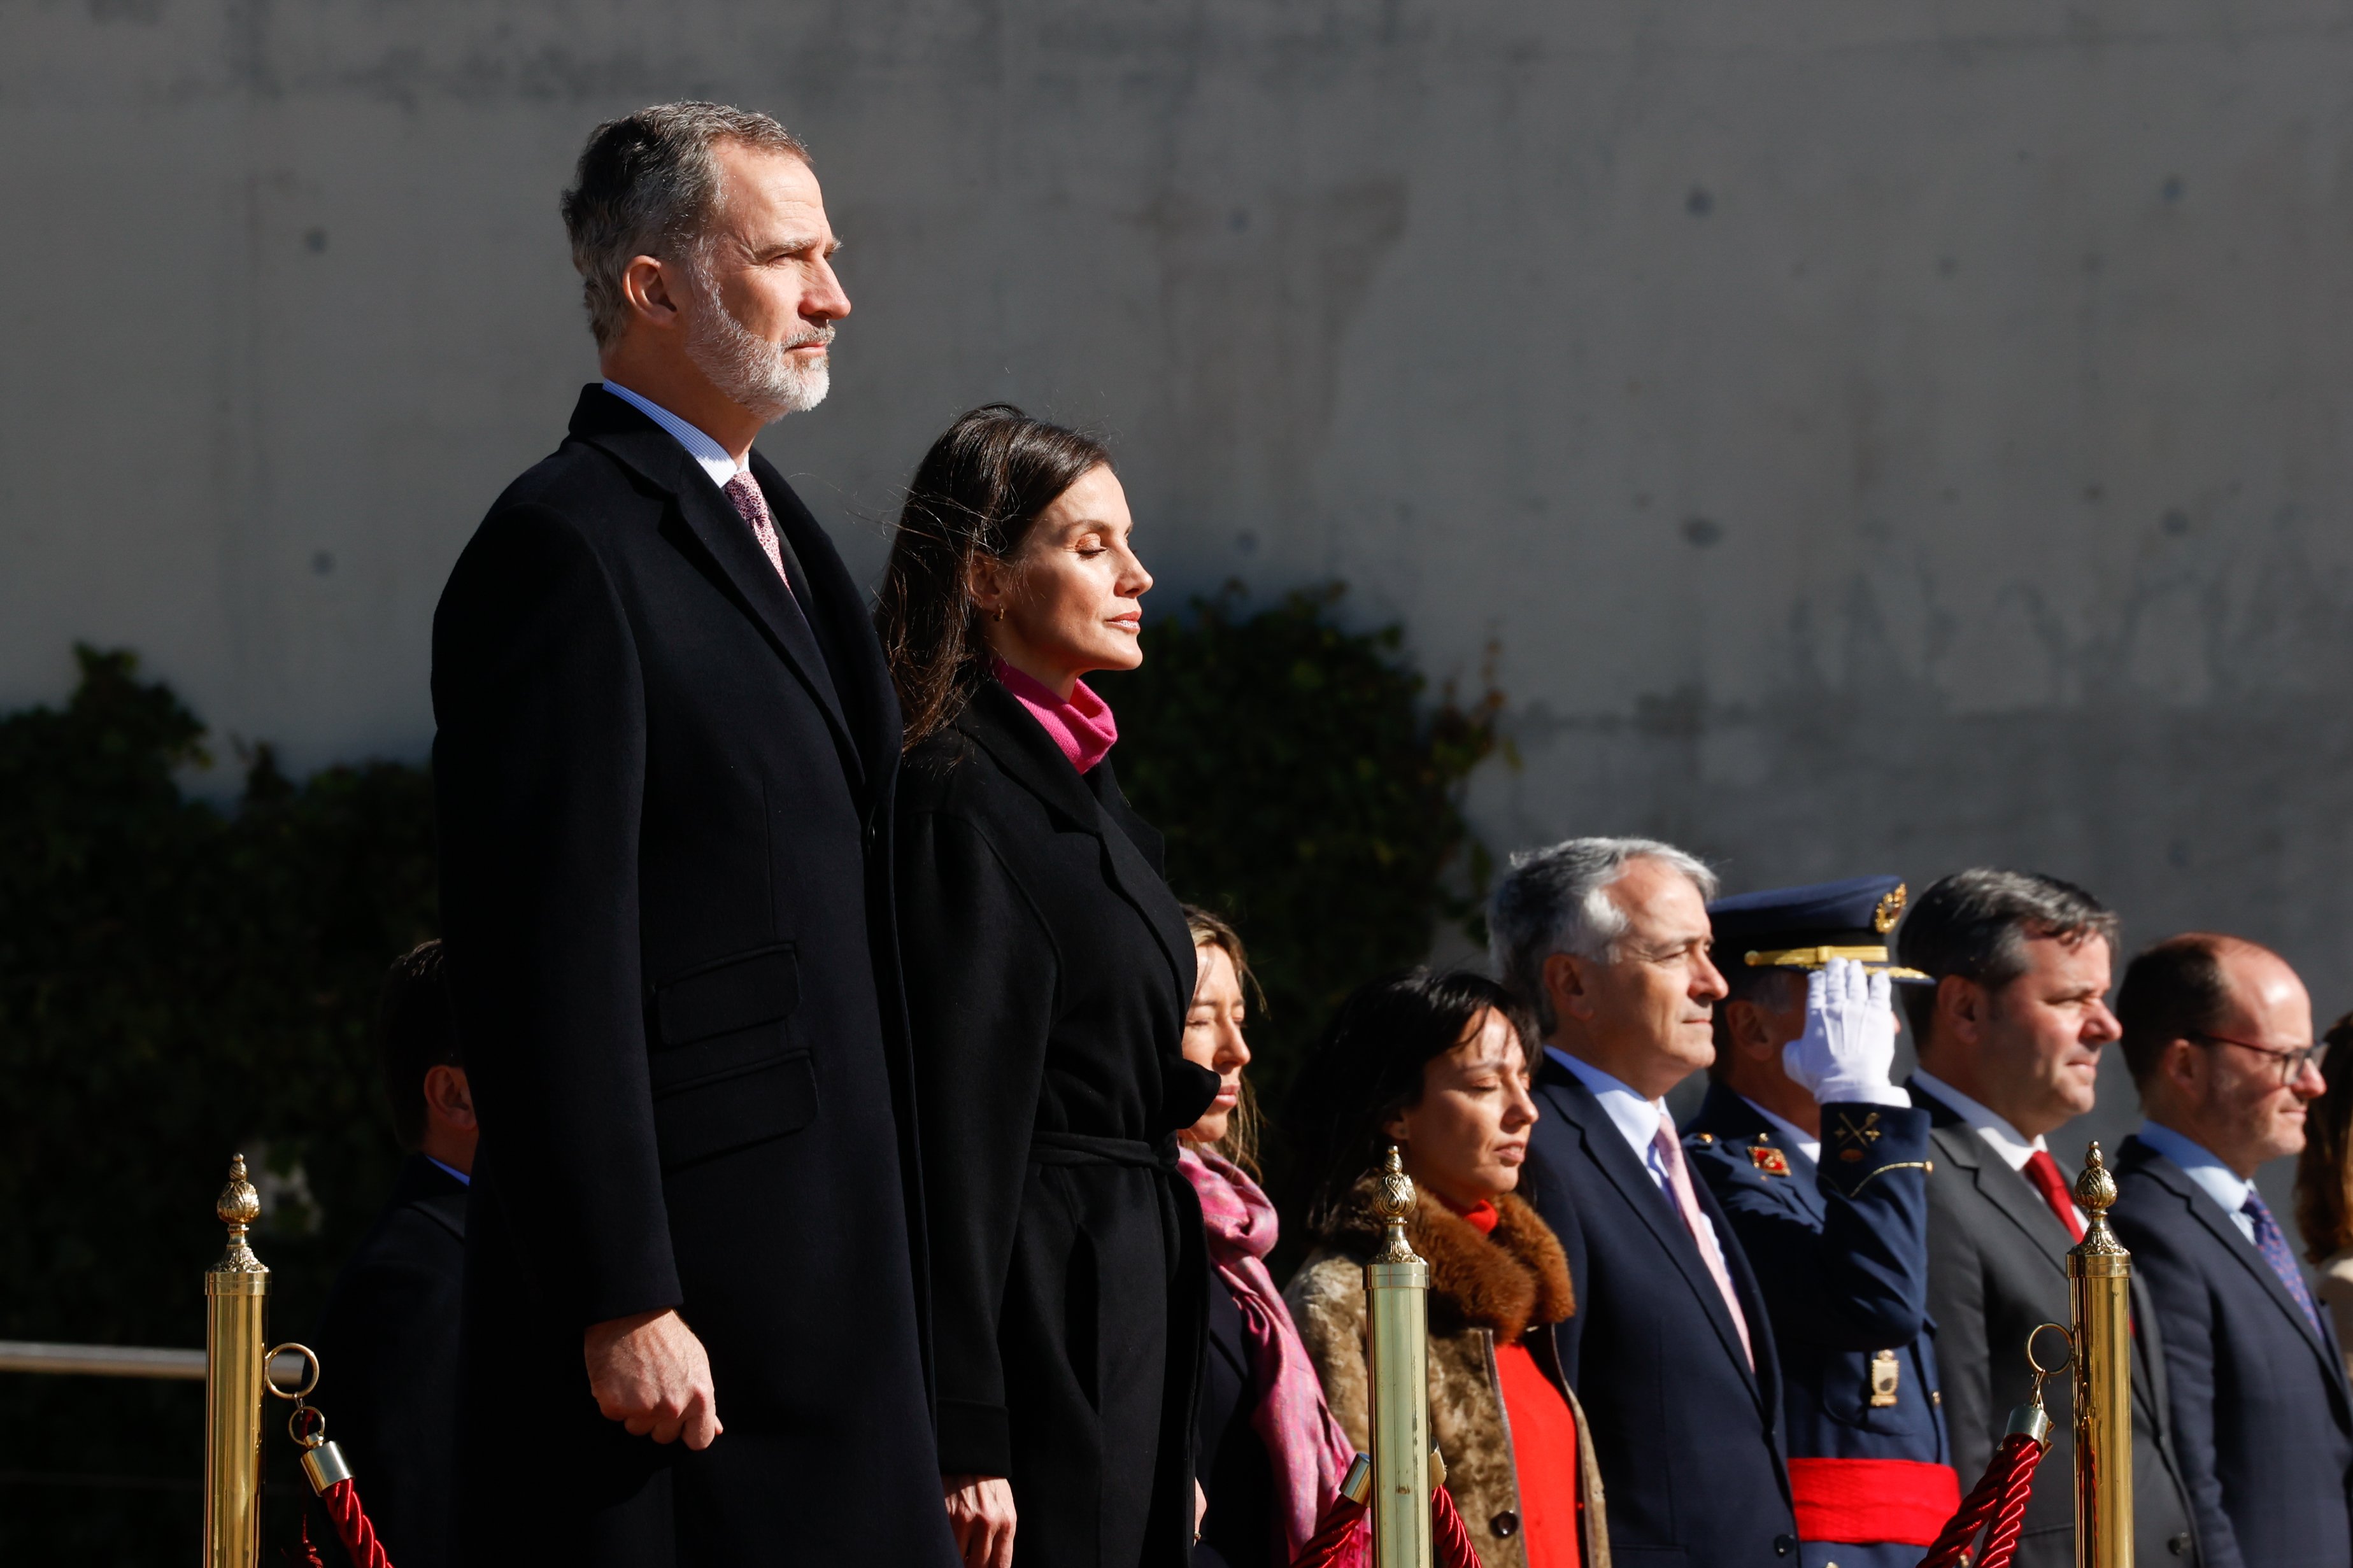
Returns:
<point x="649" y="1373"/>
<point x="980" y="1516"/>
<point x="1848" y="1051"/>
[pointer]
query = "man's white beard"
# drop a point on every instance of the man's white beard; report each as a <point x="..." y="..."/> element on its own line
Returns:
<point x="762" y="377"/>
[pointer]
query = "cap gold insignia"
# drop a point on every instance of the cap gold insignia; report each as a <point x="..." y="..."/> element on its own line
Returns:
<point x="1770" y="1160"/>
<point x="1891" y="909"/>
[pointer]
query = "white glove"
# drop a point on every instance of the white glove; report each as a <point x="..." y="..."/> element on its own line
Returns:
<point x="1848" y="1051"/>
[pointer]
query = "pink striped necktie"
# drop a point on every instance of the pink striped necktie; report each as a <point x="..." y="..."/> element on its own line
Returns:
<point x="1671" y="1154"/>
<point x="753" y="507"/>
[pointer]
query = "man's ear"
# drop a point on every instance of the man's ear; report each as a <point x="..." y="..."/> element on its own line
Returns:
<point x="2180" y="1069"/>
<point x="1962" y="1006"/>
<point x="1751" y="1030"/>
<point x="1564" y="984"/>
<point x="646" y="284"/>
<point x="448" y="1097"/>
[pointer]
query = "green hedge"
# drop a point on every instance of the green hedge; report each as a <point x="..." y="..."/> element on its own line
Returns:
<point x="178" y="982"/>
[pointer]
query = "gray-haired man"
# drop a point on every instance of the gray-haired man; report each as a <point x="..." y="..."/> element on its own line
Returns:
<point x="1671" y="1350"/>
<point x="666" y="749"/>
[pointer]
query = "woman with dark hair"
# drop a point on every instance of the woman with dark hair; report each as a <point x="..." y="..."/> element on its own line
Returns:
<point x="2324" y="1184"/>
<point x="1270" y="1457"/>
<point x="1433" y="1065"/>
<point x="1048" y="974"/>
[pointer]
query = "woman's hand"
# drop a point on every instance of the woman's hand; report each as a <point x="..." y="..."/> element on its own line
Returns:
<point x="980" y="1516"/>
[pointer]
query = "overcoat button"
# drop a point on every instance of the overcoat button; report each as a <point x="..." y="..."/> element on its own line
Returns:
<point x="1506" y="1523"/>
<point x="2180" y="1544"/>
<point x="1784" y="1545"/>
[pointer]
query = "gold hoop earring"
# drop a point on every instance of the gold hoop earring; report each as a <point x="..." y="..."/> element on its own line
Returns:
<point x="1001" y="612"/>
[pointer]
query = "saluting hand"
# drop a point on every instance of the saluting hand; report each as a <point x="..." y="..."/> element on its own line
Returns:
<point x="649" y="1373"/>
<point x="980" y="1516"/>
<point x="1848" y="1051"/>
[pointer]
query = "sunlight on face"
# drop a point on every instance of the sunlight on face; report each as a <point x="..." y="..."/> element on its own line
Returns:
<point x="1467" y="1135"/>
<point x="1071" y="596"/>
<point x="1213" y="1038"/>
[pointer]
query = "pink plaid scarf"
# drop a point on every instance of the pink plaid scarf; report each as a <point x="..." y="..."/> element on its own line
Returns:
<point x="1309" y="1453"/>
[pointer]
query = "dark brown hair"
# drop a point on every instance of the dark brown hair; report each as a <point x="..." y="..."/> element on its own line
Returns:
<point x="2174" y="990"/>
<point x="1240" y="1142"/>
<point x="2324" y="1172"/>
<point x="977" y="492"/>
<point x="417" y="1033"/>
<point x="1368" y="1066"/>
<point x="1977" y="923"/>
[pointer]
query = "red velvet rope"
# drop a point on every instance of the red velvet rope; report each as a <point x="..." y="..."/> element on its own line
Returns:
<point x="2000" y="1498"/>
<point x="343" y="1500"/>
<point x="1345" y="1540"/>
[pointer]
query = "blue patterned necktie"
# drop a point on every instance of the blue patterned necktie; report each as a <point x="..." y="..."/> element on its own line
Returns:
<point x="2274" y="1246"/>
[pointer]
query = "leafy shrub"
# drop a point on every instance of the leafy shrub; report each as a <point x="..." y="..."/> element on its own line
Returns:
<point x="1309" y="794"/>
<point x="178" y="983"/>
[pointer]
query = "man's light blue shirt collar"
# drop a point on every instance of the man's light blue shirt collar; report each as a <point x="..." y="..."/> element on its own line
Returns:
<point x="2219" y="1181"/>
<point x="715" y="460"/>
<point x="1636" y="1118"/>
<point x="463" y="1179"/>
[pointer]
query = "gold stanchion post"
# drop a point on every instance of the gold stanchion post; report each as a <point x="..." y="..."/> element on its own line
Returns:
<point x="237" y="1298"/>
<point x="2099" y="1284"/>
<point x="1397" y="1290"/>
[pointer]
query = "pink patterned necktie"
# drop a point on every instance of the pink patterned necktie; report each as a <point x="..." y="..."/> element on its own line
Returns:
<point x="1671" y="1154"/>
<point x="744" y="492"/>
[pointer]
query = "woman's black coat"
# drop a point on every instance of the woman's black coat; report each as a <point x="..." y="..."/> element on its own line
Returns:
<point x="1049" y="971"/>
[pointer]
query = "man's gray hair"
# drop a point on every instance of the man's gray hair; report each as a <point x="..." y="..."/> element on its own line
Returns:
<point x="1556" y="899"/>
<point x="647" y="184"/>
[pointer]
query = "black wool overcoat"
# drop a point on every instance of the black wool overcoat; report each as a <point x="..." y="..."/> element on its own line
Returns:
<point x="664" y="788"/>
<point x="1049" y="971"/>
<point x="387" y="1345"/>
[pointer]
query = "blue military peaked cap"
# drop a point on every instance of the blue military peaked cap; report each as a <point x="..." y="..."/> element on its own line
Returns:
<point x="1805" y="928"/>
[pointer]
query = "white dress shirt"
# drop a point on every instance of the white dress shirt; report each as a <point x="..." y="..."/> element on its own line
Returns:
<point x="715" y="460"/>
<point x="2005" y="1139"/>
<point x="2221" y="1183"/>
<point x="1637" y="1121"/>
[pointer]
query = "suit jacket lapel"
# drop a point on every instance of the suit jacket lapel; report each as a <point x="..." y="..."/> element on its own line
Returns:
<point x="713" y="522"/>
<point x="2218" y="1223"/>
<point x="2000" y="1185"/>
<point x="1562" y="1090"/>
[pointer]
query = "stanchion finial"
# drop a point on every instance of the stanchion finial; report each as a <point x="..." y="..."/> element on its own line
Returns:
<point x="238" y="1206"/>
<point x="2096" y="1192"/>
<point x="1395" y="1206"/>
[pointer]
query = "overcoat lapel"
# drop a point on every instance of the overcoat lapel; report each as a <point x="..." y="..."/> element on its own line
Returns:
<point x="711" y="520"/>
<point x="996" y="719"/>
<point x="862" y="682"/>
<point x="1602" y="1144"/>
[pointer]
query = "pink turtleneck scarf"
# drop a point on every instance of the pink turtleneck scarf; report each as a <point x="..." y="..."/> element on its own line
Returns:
<point x="1083" y="727"/>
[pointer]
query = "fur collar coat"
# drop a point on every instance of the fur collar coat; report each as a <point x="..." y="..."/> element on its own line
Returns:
<point x="1484" y="1291"/>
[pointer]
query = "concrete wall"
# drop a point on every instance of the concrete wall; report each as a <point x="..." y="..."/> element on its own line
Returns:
<point x="1876" y="435"/>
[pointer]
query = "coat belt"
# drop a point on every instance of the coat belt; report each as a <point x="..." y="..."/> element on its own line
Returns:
<point x="1866" y="1501"/>
<point x="1089" y="1149"/>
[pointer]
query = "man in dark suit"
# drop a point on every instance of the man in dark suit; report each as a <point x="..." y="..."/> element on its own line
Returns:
<point x="2009" y="1042"/>
<point x="666" y="751"/>
<point x="387" y="1341"/>
<point x="1670" y="1350"/>
<point x="2217" y="1033"/>
<point x="1822" y="1164"/>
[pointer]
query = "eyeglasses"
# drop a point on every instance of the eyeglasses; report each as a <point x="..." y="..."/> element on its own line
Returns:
<point x="2293" y="1064"/>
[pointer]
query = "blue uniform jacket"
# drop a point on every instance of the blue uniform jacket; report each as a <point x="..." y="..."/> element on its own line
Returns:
<point x="1840" y="1254"/>
<point x="1687" y="1437"/>
<point x="2262" y="1420"/>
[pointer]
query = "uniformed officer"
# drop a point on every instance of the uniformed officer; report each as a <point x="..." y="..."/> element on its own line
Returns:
<point x="1822" y="1163"/>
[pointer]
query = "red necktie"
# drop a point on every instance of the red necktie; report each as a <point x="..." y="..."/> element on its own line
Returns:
<point x="2043" y="1172"/>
